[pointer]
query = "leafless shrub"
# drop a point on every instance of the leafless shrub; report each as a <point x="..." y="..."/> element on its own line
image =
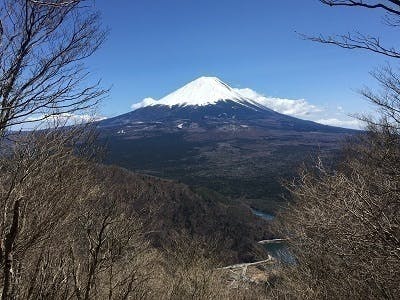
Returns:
<point x="191" y="269"/>
<point x="112" y="258"/>
<point x="63" y="234"/>
<point x="38" y="181"/>
<point x="344" y="226"/>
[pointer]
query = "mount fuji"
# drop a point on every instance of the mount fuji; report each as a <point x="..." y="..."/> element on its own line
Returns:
<point x="201" y="92"/>
<point x="209" y="102"/>
<point x="210" y="135"/>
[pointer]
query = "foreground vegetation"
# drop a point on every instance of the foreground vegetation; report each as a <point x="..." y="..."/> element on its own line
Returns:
<point x="73" y="229"/>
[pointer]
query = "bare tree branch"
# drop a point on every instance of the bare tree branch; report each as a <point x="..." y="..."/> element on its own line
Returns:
<point x="358" y="40"/>
<point x="391" y="6"/>
<point x="55" y="3"/>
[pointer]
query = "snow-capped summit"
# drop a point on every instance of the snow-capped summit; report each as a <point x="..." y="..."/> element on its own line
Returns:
<point x="208" y="102"/>
<point x="202" y="91"/>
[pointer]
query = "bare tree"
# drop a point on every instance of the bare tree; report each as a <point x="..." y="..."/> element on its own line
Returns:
<point x="112" y="257"/>
<point x="34" y="210"/>
<point x="65" y="231"/>
<point x="43" y="47"/>
<point x="343" y="224"/>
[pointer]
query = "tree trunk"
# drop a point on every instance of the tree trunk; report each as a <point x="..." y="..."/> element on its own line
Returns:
<point x="8" y="253"/>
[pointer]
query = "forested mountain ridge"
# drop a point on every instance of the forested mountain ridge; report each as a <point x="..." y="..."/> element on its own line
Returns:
<point x="167" y="207"/>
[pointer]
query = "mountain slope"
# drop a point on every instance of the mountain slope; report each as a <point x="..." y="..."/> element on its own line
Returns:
<point x="236" y="146"/>
<point x="168" y="207"/>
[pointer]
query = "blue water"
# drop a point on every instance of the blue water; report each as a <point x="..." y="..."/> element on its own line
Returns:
<point x="268" y="217"/>
<point x="280" y="250"/>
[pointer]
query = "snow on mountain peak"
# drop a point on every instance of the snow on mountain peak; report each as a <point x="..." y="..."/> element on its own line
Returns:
<point x="210" y="90"/>
<point x="202" y="91"/>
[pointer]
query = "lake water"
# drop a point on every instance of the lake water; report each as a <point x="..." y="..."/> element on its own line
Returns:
<point x="266" y="216"/>
<point x="279" y="250"/>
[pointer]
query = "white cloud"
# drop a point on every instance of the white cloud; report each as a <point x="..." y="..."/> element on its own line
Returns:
<point x="66" y="117"/>
<point x="84" y="118"/>
<point x="302" y="109"/>
<point x="40" y="121"/>
<point x="351" y="123"/>
<point x="296" y="108"/>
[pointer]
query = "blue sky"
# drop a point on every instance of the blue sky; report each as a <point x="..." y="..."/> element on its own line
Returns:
<point x="156" y="46"/>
